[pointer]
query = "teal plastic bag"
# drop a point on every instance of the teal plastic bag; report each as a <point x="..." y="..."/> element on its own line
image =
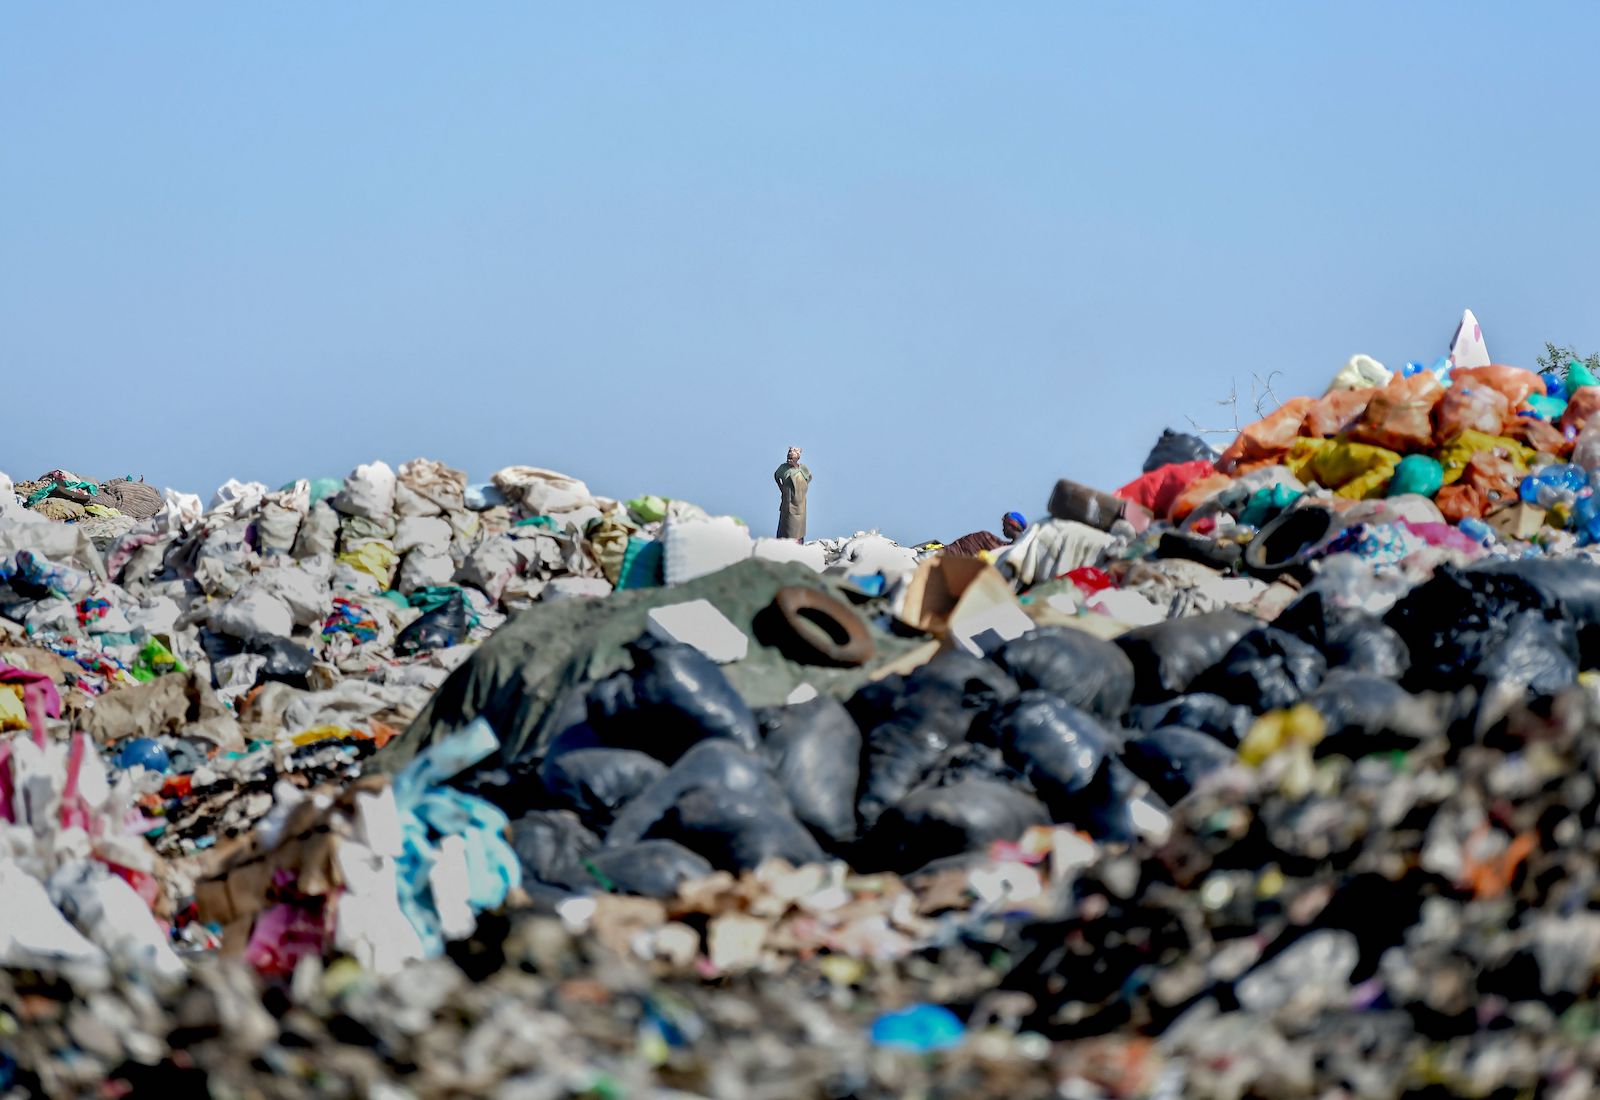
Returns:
<point x="1266" y="503"/>
<point x="1417" y="474"/>
<point x="642" y="565"/>
<point x="1546" y="407"/>
<point x="1579" y="375"/>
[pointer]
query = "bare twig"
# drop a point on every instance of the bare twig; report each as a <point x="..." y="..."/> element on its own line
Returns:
<point x="1231" y="403"/>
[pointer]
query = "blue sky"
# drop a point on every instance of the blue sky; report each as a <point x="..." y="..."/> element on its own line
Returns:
<point x="955" y="251"/>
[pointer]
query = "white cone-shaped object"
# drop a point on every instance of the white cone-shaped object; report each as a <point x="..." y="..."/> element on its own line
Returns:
<point x="1467" y="349"/>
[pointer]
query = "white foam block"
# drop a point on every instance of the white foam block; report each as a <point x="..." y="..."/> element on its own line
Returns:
<point x="701" y="625"/>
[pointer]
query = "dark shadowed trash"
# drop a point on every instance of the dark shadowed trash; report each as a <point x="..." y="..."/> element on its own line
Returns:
<point x="1086" y="671"/>
<point x="1177" y="447"/>
<point x="596" y="783"/>
<point x="934" y="822"/>
<point x="1172" y="759"/>
<point x="1349" y="639"/>
<point x="736" y="831"/>
<point x="1568" y="585"/>
<point x="1538" y="654"/>
<point x="444" y="626"/>
<point x="1452" y="621"/>
<point x="1267" y="669"/>
<point x="1210" y="714"/>
<point x="674" y="698"/>
<point x="1181" y="546"/>
<point x="1367" y="714"/>
<point x="815" y="750"/>
<point x="552" y="846"/>
<point x="1169" y="655"/>
<point x="651" y="868"/>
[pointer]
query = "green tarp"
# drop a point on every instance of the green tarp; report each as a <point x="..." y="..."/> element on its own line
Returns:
<point x="518" y="675"/>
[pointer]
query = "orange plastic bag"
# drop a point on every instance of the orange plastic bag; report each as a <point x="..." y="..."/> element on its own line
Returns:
<point x="1460" y="501"/>
<point x="1400" y="416"/>
<point x="1494" y="476"/>
<point x="1512" y="383"/>
<point x="1337" y="412"/>
<point x="1269" y="437"/>
<point x="1542" y="437"/>
<point x="1197" y="493"/>
<point x="1469" y="408"/>
<point x="1583" y="404"/>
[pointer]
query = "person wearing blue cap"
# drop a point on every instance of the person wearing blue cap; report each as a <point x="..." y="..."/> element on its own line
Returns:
<point x="1012" y="526"/>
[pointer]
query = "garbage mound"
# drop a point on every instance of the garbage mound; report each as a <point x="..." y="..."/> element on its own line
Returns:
<point x="1268" y="774"/>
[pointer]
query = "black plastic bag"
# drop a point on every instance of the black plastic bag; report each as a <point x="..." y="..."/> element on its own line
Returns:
<point x="718" y="764"/>
<point x="1352" y="640"/>
<point x="1168" y="656"/>
<point x="908" y="724"/>
<point x="1210" y="714"/>
<point x="815" y="750"/>
<point x="1453" y="621"/>
<point x="287" y="662"/>
<point x="1568" y="585"/>
<point x="650" y="868"/>
<point x="1176" y="447"/>
<point x="1538" y="654"/>
<point x="552" y="846"/>
<point x="1070" y="759"/>
<point x="446" y="625"/>
<point x="674" y="697"/>
<point x="1086" y="671"/>
<point x="936" y="822"/>
<point x="1172" y="759"/>
<point x="1057" y="747"/>
<point x="596" y="783"/>
<point x="1366" y="714"/>
<point x="736" y="830"/>
<point x="1267" y="669"/>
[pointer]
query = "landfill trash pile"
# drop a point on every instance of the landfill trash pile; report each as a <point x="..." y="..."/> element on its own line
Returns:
<point x="1271" y="774"/>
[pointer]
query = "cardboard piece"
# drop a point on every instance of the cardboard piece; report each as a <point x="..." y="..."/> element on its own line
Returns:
<point x="965" y="603"/>
<point x="1518" y="521"/>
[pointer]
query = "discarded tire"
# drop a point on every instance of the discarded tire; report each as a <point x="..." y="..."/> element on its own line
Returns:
<point x="821" y="629"/>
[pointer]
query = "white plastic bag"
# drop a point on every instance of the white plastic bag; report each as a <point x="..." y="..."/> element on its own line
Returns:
<point x="368" y="491"/>
<point x="429" y="533"/>
<point x="422" y="569"/>
<point x="542" y="492"/>
<point x="1362" y="372"/>
<point x="254" y="612"/>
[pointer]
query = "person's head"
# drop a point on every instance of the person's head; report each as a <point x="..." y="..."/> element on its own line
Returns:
<point x="794" y="456"/>
<point x="1012" y="525"/>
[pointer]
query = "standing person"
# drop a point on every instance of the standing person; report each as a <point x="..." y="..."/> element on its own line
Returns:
<point x="1012" y="526"/>
<point x="792" y="479"/>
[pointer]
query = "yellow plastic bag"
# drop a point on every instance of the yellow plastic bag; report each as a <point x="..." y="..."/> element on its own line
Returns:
<point x="13" y="716"/>
<point x="1455" y="454"/>
<point x="376" y="559"/>
<point x="1356" y="471"/>
<point x="1301" y="724"/>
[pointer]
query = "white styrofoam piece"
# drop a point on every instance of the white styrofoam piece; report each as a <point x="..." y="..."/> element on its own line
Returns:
<point x="700" y="624"/>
